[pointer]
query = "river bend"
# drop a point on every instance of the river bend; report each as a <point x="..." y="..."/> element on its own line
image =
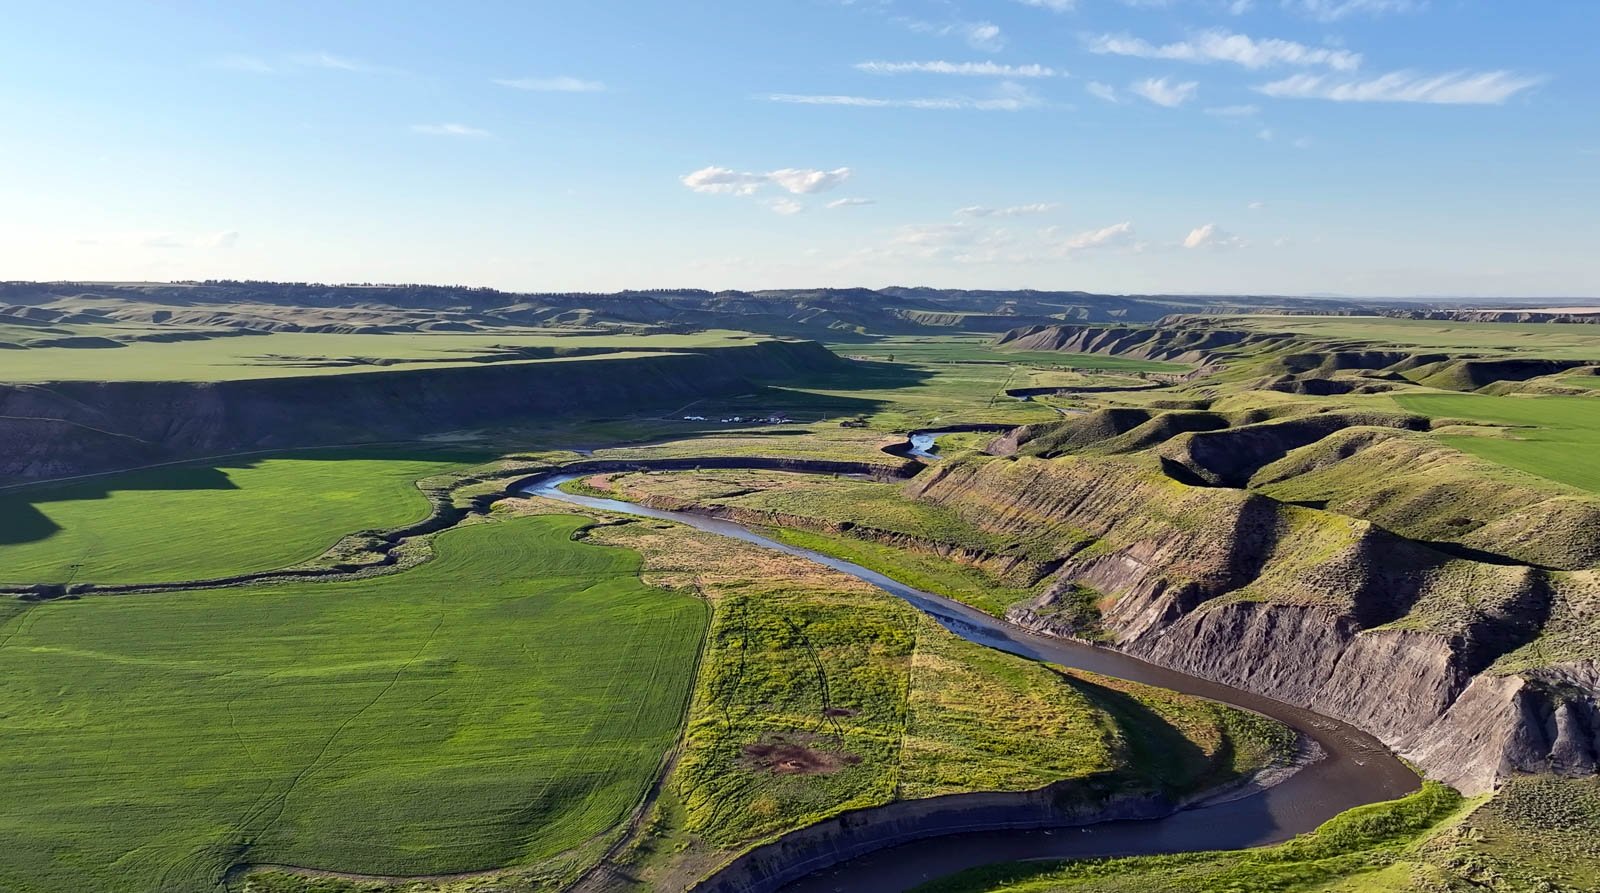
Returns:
<point x="1355" y="768"/>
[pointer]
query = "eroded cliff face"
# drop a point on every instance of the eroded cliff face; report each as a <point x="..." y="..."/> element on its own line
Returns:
<point x="77" y="427"/>
<point x="1462" y="666"/>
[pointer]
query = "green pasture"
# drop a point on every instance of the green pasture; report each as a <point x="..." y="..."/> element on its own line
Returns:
<point x="208" y="520"/>
<point x="1553" y="437"/>
<point x="1554" y="341"/>
<point x="500" y="705"/>
<point x="982" y="349"/>
<point x="286" y="354"/>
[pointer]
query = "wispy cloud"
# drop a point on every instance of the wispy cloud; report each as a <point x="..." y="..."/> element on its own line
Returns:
<point x="1453" y="88"/>
<point x="1217" y="45"/>
<point x="1115" y="234"/>
<point x="222" y="240"/>
<point x="1234" y="111"/>
<point x="1008" y="97"/>
<point x="1052" y="5"/>
<point x="851" y="202"/>
<point x="558" y="84"/>
<point x="799" y="181"/>
<point x="298" y="62"/>
<point x="1213" y="237"/>
<point x="1013" y="211"/>
<point x="252" y="64"/>
<point x="331" y="61"/>
<point x="449" y="130"/>
<point x="1102" y="91"/>
<point x="1334" y="10"/>
<point x="970" y="69"/>
<point x="1164" y="92"/>
<point x="985" y="36"/>
<point x="785" y="206"/>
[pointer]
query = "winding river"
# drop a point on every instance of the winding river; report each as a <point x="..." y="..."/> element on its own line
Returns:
<point x="1354" y="768"/>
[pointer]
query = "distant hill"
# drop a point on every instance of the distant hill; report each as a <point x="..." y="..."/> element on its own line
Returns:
<point x="820" y="312"/>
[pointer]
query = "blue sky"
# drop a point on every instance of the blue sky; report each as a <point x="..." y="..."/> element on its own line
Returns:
<point x="1374" y="147"/>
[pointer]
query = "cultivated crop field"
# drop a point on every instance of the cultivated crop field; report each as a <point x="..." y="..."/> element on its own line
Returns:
<point x="286" y="354"/>
<point x="1546" y="340"/>
<point x="500" y="705"/>
<point x="207" y="520"/>
<point x="1553" y="437"/>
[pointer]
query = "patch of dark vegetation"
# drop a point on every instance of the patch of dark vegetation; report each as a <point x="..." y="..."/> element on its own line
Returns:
<point x="795" y="754"/>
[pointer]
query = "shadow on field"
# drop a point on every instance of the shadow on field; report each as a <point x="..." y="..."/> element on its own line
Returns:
<point x="1156" y="749"/>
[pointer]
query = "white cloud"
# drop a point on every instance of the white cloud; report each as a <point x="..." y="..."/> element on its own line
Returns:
<point x="1008" y="97"/>
<point x="1265" y="134"/>
<point x="799" y="181"/>
<point x="785" y="206"/>
<point x="329" y="60"/>
<point x="1453" y="88"/>
<point x="971" y="69"/>
<point x="449" y="130"/>
<point x="851" y="202"/>
<point x="559" y="84"/>
<point x="1052" y="5"/>
<point x="1256" y="206"/>
<point x="722" y="180"/>
<point x="1163" y="92"/>
<point x="163" y="240"/>
<point x="1234" y="111"/>
<point x="1013" y="211"/>
<point x="985" y="36"/>
<point x="1217" y="45"/>
<point x="285" y="64"/>
<point x="802" y="181"/>
<point x="1102" y="91"/>
<point x="1115" y="234"/>
<point x="1334" y="10"/>
<point x="1212" y="236"/>
<point x="252" y="64"/>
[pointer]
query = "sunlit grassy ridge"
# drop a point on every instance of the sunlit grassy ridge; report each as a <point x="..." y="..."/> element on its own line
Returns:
<point x="1546" y="340"/>
<point x="981" y="349"/>
<point x="290" y="354"/>
<point x="500" y="705"/>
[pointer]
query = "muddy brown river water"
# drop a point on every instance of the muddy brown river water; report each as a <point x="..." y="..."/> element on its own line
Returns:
<point x="1354" y="768"/>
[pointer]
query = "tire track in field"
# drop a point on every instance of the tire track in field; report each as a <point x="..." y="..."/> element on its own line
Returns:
<point x="282" y="800"/>
<point x="575" y="751"/>
<point x="22" y="622"/>
<point x="828" y="719"/>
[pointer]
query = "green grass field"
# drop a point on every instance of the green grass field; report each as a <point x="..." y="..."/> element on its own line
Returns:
<point x="500" y="705"/>
<point x="981" y="349"/>
<point x="196" y="521"/>
<point x="1553" y="437"/>
<point x="1546" y="340"/>
<point x="284" y="354"/>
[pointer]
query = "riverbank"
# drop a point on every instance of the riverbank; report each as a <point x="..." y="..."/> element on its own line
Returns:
<point x="1357" y="769"/>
